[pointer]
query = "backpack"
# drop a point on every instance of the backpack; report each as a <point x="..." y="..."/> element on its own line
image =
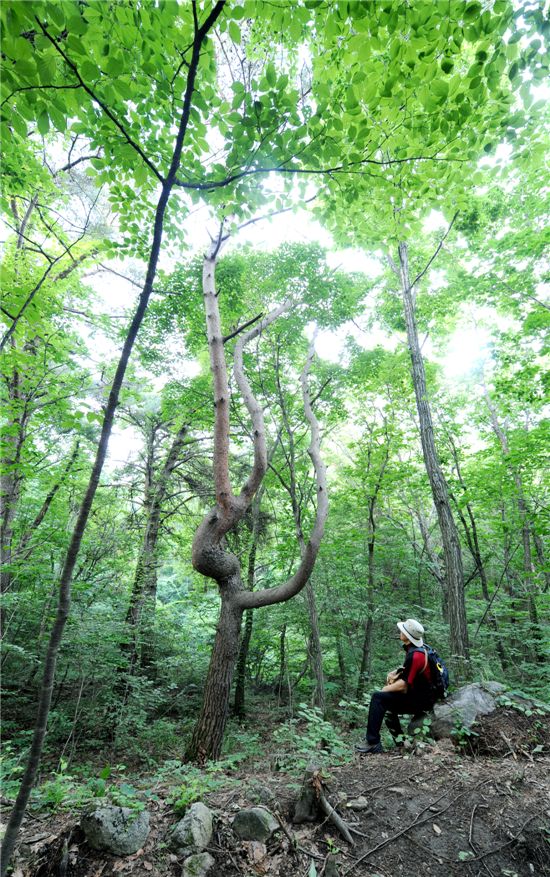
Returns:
<point x="438" y="672"/>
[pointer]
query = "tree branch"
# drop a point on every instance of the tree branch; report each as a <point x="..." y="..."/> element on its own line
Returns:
<point x="240" y="329"/>
<point x="254" y="409"/>
<point x="440" y="244"/>
<point x="101" y="103"/>
<point x="255" y="599"/>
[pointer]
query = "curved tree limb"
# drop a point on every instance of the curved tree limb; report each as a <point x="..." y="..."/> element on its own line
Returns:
<point x="270" y="596"/>
<point x="254" y="409"/>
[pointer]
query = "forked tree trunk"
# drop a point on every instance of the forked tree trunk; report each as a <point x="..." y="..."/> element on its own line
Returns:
<point x="454" y="573"/>
<point x="210" y="556"/>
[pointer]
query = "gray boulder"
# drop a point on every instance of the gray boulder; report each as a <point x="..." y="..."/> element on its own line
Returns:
<point x="255" y="823"/>
<point x="194" y="832"/>
<point x="464" y="707"/>
<point x="198" y="865"/>
<point x="117" y="830"/>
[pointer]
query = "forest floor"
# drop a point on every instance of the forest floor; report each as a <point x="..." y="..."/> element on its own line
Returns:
<point x="481" y="809"/>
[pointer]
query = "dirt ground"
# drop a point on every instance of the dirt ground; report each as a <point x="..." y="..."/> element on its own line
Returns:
<point x="433" y="809"/>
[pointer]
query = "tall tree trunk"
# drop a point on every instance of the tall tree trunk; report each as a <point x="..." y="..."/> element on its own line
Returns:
<point x="525" y="523"/>
<point x="239" y="706"/>
<point x="364" y="671"/>
<point x="341" y="665"/>
<point x="282" y="663"/>
<point x="63" y="607"/>
<point x="472" y="540"/>
<point x="435" y="566"/>
<point x="206" y="742"/>
<point x="13" y="439"/>
<point x="454" y="573"/>
<point x="141" y="608"/>
<point x="210" y="555"/>
<point x="539" y="549"/>
<point x="315" y="649"/>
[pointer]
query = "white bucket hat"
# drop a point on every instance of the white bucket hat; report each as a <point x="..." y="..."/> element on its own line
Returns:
<point x="413" y="630"/>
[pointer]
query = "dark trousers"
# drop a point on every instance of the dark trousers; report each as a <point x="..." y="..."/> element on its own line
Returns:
<point x="394" y="704"/>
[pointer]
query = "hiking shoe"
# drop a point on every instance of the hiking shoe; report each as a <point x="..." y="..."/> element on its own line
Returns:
<point x="368" y="748"/>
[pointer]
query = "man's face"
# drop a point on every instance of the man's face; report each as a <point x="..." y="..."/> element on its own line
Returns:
<point x="403" y="638"/>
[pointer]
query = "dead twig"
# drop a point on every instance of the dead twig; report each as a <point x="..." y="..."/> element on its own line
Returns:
<point x="286" y="832"/>
<point x="335" y="818"/>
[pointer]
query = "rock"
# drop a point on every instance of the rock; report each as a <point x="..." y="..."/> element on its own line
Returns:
<point x="117" y="830"/>
<point x="463" y="707"/>
<point x="194" y="832"/>
<point x="331" y="866"/>
<point x="255" y="823"/>
<point x="359" y="803"/>
<point x="262" y="795"/>
<point x="198" y="865"/>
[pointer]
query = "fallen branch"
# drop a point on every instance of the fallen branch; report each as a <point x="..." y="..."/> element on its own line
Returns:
<point x="290" y="837"/>
<point x="335" y="818"/>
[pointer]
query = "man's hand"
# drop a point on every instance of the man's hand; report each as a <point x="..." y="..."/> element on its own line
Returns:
<point x="399" y="685"/>
<point x="392" y="677"/>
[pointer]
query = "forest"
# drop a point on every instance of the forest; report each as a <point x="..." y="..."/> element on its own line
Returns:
<point x="275" y="360"/>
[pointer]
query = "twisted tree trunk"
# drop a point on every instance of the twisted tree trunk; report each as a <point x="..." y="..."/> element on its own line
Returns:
<point x="210" y="556"/>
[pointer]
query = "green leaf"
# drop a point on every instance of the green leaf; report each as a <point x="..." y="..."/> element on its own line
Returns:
<point x="472" y="11"/>
<point x="271" y="75"/>
<point x="58" y="118"/>
<point x="43" y="122"/>
<point x="89" y="72"/>
<point x="235" y="32"/>
<point x="440" y="88"/>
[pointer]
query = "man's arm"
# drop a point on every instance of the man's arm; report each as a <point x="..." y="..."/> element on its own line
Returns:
<point x="398" y="685"/>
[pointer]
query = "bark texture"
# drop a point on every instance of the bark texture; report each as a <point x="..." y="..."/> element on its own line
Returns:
<point x="454" y="574"/>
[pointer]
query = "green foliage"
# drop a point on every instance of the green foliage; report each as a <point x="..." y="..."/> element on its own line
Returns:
<point x="410" y="105"/>
<point x="65" y="790"/>
<point x="308" y="735"/>
<point x="198" y="782"/>
<point x="462" y="735"/>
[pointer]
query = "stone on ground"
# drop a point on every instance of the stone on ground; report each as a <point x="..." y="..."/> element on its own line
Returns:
<point x="255" y="823"/>
<point x="194" y="831"/>
<point x="117" y="830"/>
<point x="464" y="707"/>
<point x="198" y="865"/>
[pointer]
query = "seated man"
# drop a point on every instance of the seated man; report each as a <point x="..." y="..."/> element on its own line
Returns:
<point x="408" y="689"/>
